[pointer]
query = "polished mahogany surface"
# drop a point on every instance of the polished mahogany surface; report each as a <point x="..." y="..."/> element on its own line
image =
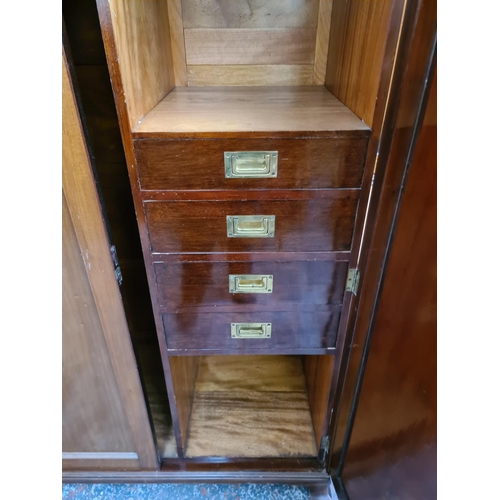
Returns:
<point x="301" y="225"/>
<point x="299" y="329"/>
<point x="392" y="451"/>
<point x="301" y="282"/>
<point x="394" y="435"/>
<point x="199" y="164"/>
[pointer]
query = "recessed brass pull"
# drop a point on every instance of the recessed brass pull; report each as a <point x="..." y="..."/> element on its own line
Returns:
<point x="248" y="164"/>
<point x="251" y="330"/>
<point x="250" y="283"/>
<point x="250" y="226"/>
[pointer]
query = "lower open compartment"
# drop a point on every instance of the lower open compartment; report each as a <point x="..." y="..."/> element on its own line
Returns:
<point x="249" y="406"/>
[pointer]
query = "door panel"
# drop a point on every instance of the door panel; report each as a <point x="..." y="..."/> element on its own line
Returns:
<point x="105" y="421"/>
<point x="93" y="417"/>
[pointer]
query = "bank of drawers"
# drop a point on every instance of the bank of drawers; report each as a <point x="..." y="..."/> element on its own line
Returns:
<point x="257" y="260"/>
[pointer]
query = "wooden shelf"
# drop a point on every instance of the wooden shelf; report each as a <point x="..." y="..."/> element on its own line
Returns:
<point x="250" y="406"/>
<point x="280" y="111"/>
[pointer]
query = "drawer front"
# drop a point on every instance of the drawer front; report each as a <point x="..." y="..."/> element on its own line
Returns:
<point x="316" y="225"/>
<point x="256" y="331"/>
<point x="191" y="284"/>
<point x="301" y="163"/>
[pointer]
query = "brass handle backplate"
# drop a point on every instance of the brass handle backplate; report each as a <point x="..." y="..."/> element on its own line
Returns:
<point x="250" y="226"/>
<point x="250" y="164"/>
<point x="251" y="330"/>
<point x="250" y="283"/>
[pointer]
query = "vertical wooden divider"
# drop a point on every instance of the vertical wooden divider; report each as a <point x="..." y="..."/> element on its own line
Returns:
<point x="137" y="43"/>
<point x="318" y="374"/>
<point x="177" y="42"/>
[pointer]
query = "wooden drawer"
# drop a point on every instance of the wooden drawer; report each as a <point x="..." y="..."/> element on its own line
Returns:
<point x="298" y="329"/>
<point x="292" y="284"/>
<point x="199" y="164"/>
<point x="307" y="225"/>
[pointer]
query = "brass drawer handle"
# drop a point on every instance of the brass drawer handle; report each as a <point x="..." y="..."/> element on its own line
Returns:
<point x="250" y="283"/>
<point x="250" y="226"/>
<point x="250" y="164"/>
<point x="251" y="330"/>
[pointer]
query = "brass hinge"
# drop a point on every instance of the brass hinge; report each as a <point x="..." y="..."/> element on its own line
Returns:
<point x="118" y="271"/>
<point x="323" y="448"/>
<point x="352" y="281"/>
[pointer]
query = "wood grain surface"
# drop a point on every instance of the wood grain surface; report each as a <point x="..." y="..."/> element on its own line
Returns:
<point x="318" y="374"/>
<point x="252" y="42"/>
<point x="262" y="412"/>
<point x="253" y="195"/>
<point x="86" y="217"/>
<point x="357" y="43"/>
<point x="93" y="418"/>
<point x="106" y="15"/>
<point x="303" y="226"/>
<point x="396" y="464"/>
<point x="291" y="330"/>
<point x="183" y="372"/>
<point x="395" y="429"/>
<point x="175" y="19"/>
<point x="253" y="75"/>
<point x="248" y="46"/>
<point x="272" y="374"/>
<point x="349" y="350"/>
<point x="250" y="13"/>
<point x="297" y="283"/>
<point x="322" y="41"/>
<point x="199" y="164"/>
<point x="253" y="109"/>
<point x="142" y="40"/>
<point x="250" y="257"/>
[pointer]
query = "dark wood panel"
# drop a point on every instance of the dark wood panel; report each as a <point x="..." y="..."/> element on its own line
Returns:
<point x="316" y="225"/>
<point x="199" y="164"/>
<point x="290" y="329"/>
<point x="247" y="194"/>
<point x="82" y="27"/>
<point x="100" y="115"/>
<point x="380" y="205"/>
<point x="394" y="435"/>
<point x="120" y="214"/>
<point x="294" y="284"/>
<point x="254" y="257"/>
<point x="137" y="300"/>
